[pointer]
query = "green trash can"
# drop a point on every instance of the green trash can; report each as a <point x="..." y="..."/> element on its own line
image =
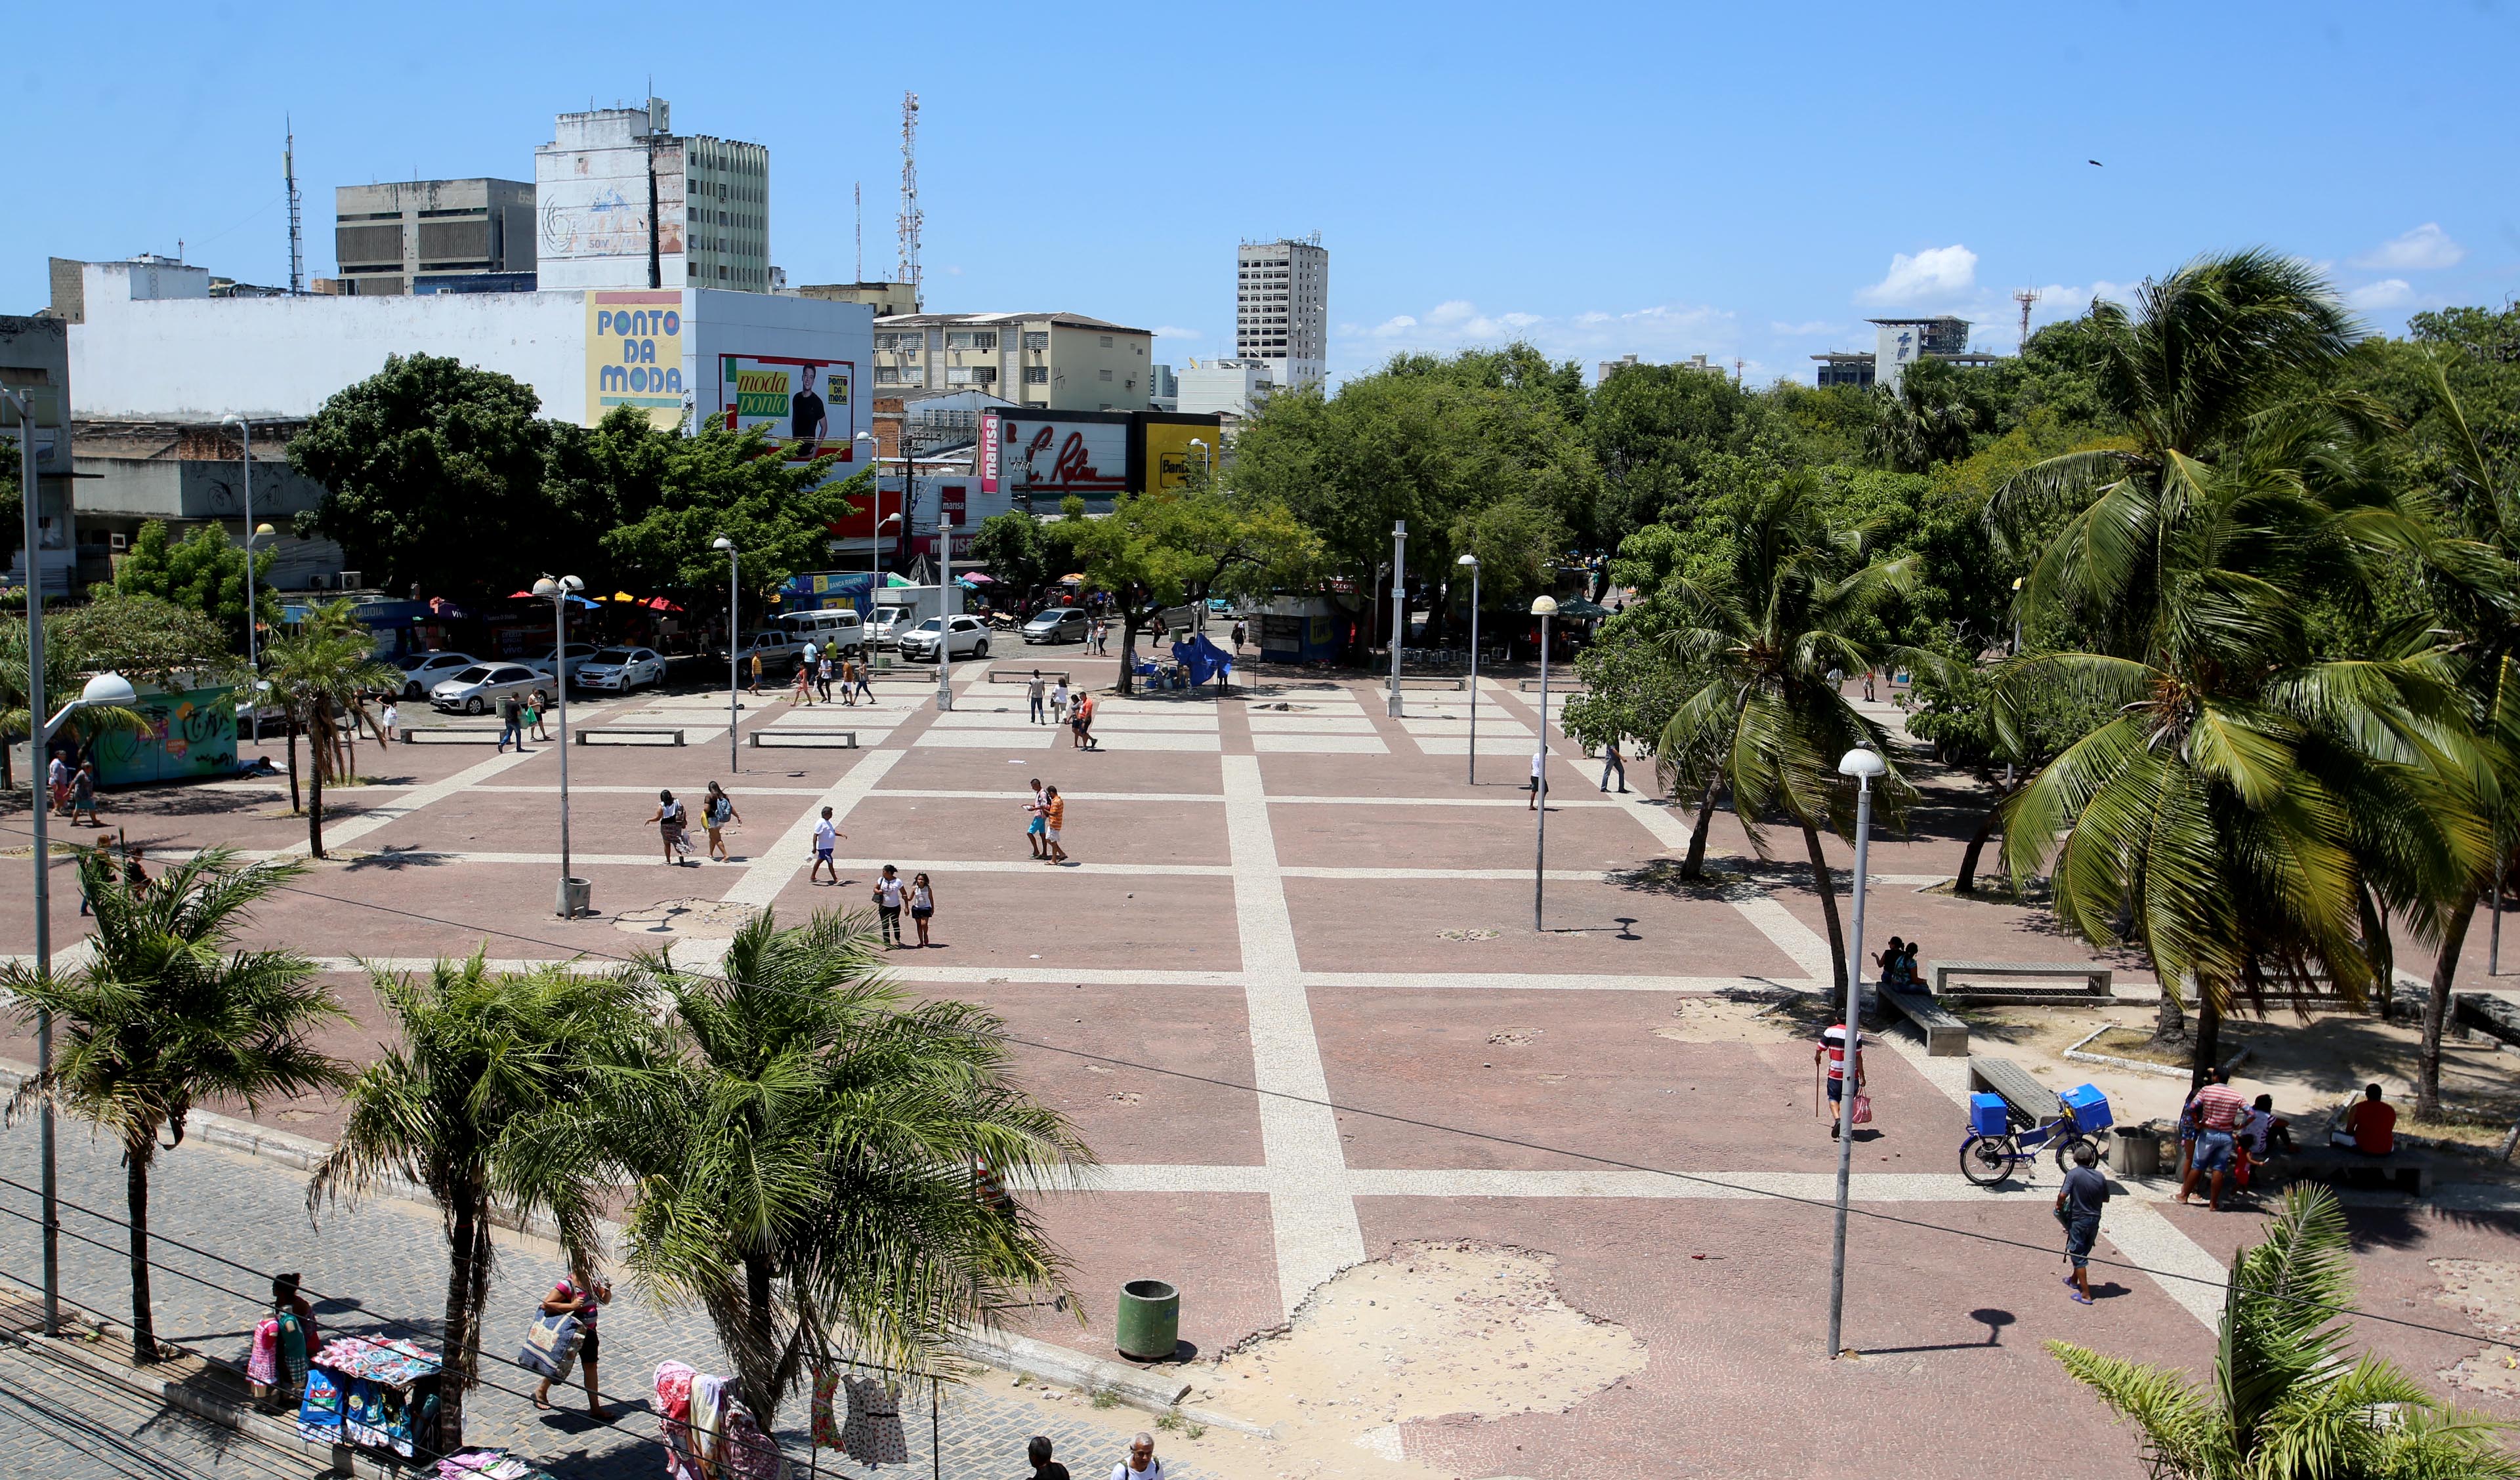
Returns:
<point x="1149" y="1324"/>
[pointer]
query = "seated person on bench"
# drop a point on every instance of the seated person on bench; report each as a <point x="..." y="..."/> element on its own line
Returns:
<point x="1898" y="963"/>
<point x="2370" y="1127"/>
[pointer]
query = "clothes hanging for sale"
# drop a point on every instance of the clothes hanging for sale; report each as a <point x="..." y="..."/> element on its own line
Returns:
<point x="370" y="1391"/>
<point x="750" y="1454"/>
<point x="827" y="1423"/>
<point x="487" y="1464"/>
<point x="873" y="1433"/>
<point x="708" y="1424"/>
<point x="319" y="1412"/>
<point x="674" y="1416"/>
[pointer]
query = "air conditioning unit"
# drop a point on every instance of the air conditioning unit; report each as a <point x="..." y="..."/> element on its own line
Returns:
<point x="118" y="541"/>
<point x="352" y="580"/>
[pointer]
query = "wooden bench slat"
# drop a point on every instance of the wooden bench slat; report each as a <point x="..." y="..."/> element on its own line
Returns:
<point x="2019" y="1088"/>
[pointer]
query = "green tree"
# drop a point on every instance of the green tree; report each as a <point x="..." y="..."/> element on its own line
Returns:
<point x="169" y="1012"/>
<point x="721" y="483"/>
<point x="322" y="674"/>
<point x="1155" y="551"/>
<point x="2288" y="1400"/>
<point x="434" y="479"/>
<point x="803" y="1161"/>
<point x="2253" y="812"/>
<point x="1011" y="546"/>
<point x="1777" y="628"/>
<point x="204" y="572"/>
<point x="467" y="1106"/>
<point x="141" y="637"/>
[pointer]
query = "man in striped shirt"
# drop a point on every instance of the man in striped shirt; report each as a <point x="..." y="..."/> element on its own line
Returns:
<point x="2215" y="1109"/>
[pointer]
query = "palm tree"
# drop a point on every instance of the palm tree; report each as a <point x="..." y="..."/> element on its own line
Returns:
<point x="804" y="1158"/>
<point x="465" y="1106"/>
<point x="1771" y="723"/>
<point x="62" y="680"/>
<point x="322" y="674"/>
<point x="166" y="1015"/>
<point x="2251" y="812"/>
<point x="2288" y="1400"/>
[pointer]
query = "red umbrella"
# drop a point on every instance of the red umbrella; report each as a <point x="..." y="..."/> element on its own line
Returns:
<point x="659" y="603"/>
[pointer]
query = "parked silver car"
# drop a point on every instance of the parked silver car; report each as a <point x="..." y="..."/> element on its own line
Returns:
<point x="1058" y="624"/>
<point x="422" y="672"/>
<point x="578" y="652"/>
<point x="622" y="669"/>
<point x="478" y="690"/>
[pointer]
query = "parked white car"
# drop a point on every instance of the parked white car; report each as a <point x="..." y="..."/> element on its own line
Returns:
<point x="478" y="690"/>
<point x="971" y="639"/>
<point x="578" y="652"/>
<point x="422" y="672"/>
<point x="622" y="669"/>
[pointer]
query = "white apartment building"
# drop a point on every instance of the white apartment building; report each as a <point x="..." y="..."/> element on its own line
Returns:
<point x="1040" y="361"/>
<point x="618" y="194"/>
<point x="1235" y="389"/>
<point x="1282" y="295"/>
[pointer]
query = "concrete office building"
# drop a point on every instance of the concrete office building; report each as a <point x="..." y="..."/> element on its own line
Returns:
<point x="1164" y="388"/>
<point x="35" y="361"/>
<point x="1044" y="361"/>
<point x="1897" y="344"/>
<point x="188" y="474"/>
<point x="416" y="235"/>
<point x="1235" y="389"/>
<point x="1281" y="308"/>
<point x="625" y="203"/>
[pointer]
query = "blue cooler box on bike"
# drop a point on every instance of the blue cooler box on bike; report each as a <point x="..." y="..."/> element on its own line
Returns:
<point x="2088" y="1107"/>
<point x="1988" y="1115"/>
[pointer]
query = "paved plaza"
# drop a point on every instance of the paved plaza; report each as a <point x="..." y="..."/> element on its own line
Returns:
<point x="1289" y="989"/>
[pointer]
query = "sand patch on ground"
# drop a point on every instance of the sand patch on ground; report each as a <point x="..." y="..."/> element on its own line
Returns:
<point x="2488" y="1293"/>
<point x="1739" y="1018"/>
<point x="690" y="918"/>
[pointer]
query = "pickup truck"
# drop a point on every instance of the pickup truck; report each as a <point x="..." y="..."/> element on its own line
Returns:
<point x="779" y="651"/>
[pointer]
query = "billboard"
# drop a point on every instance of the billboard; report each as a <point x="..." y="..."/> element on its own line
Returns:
<point x="1048" y="455"/>
<point x="634" y="355"/>
<point x="1165" y="459"/>
<point x="803" y="405"/>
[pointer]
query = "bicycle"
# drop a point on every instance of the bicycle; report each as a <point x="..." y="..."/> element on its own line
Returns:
<point x="2001" y="1137"/>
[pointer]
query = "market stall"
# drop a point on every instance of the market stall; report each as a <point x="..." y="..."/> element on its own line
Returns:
<point x="370" y="1391"/>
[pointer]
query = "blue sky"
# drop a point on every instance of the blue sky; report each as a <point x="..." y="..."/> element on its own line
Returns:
<point x="1665" y="180"/>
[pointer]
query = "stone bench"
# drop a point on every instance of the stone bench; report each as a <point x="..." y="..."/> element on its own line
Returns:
<point x="2342" y="1167"/>
<point x="627" y="734"/>
<point x="1570" y="687"/>
<point x="2098" y="982"/>
<point x="1428" y="681"/>
<point x="1946" y="1036"/>
<point x="2020" y="1088"/>
<point x="455" y="733"/>
<point x="799" y="739"/>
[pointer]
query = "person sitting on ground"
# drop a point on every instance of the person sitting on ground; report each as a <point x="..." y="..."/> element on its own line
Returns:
<point x="2371" y="1126"/>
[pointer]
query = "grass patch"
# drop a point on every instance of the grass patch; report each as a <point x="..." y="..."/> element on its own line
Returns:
<point x="1170" y="1423"/>
<point x="1105" y="1398"/>
<point x="2136" y="1044"/>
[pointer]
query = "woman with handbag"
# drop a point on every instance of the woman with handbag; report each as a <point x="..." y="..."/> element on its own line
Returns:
<point x="581" y="1296"/>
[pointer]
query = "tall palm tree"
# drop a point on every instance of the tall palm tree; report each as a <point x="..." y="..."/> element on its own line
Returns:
<point x="2251" y="812"/>
<point x="1774" y="626"/>
<point x="804" y="1157"/>
<point x="2288" y="1401"/>
<point x="466" y="1105"/>
<point x="322" y="674"/>
<point x="166" y="1015"/>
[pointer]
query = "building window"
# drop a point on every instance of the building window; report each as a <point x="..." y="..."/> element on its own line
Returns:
<point x="1036" y="375"/>
<point x="958" y="375"/>
<point x="963" y="339"/>
<point x="1102" y="375"/>
<point x="1036" y="338"/>
<point x="984" y="375"/>
<point x="886" y="375"/>
<point x="1107" y="341"/>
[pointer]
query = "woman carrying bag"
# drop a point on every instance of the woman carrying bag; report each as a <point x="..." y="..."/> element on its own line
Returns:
<point x="581" y="1298"/>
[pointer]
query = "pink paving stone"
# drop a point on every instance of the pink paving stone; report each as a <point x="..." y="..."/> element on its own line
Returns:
<point x="689" y="769"/>
<point x="1065" y="918"/>
<point x="1216" y="1246"/>
<point x="1145" y="1074"/>
<point x="1390" y="925"/>
<point x="1362" y="835"/>
<point x="1561" y="1077"/>
<point x="1404" y="772"/>
<point x="1737" y="1382"/>
<point x="1153" y="833"/>
<point x="384" y="909"/>
<point x="956" y="769"/>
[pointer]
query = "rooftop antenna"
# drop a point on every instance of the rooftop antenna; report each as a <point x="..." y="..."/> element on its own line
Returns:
<point x="296" y="225"/>
<point x="2025" y="297"/>
<point x="1737" y="369"/>
<point x="910" y="213"/>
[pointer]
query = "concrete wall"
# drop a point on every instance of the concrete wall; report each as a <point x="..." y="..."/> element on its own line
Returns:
<point x="754" y="322"/>
<point x="35" y="360"/>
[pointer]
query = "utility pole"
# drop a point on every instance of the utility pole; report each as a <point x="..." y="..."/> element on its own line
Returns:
<point x="911" y="217"/>
<point x="296" y="231"/>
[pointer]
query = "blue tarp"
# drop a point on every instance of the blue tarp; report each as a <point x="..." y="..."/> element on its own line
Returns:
<point x="1203" y="659"/>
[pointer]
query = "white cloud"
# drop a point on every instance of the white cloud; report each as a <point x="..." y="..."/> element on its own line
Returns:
<point x="2426" y="248"/>
<point x="1935" y="275"/>
<point x="1169" y="332"/>
<point x="1393" y="327"/>
<point x="2387" y="292"/>
<point x="1452" y="311"/>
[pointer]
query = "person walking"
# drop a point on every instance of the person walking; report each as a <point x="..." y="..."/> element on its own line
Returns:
<point x="1035" y="811"/>
<point x="1832" y="1049"/>
<point x="1141" y="1464"/>
<point x="1613" y="763"/>
<point x="864" y="689"/>
<point x="822" y="675"/>
<point x="535" y="708"/>
<point x="849" y="681"/>
<point x="1085" y="707"/>
<point x="803" y="693"/>
<point x="2216" y="1110"/>
<point x="511" y="717"/>
<point x="104" y="876"/>
<point x="1538" y="759"/>
<point x="1240" y="632"/>
<point x="1037" y="1453"/>
<point x="1038" y="693"/>
<point x="888" y="890"/>
<point x="671" y="828"/>
<point x="826" y="837"/>
<point x="390" y="722"/>
<point x="717" y="809"/>
<point x="922" y="907"/>
<point x="582" y="1297"/>
<point x="1059" y="698"/>
<point x="2078" y="1207"/>
<point x="1054" y="818"/>
<point x="756" y="675"/>
<point x="84" y="795"/>
<point x="57" y="783"/>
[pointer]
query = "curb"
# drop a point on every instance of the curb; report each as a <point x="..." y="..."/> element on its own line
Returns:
<point x="2077" y="1054"/>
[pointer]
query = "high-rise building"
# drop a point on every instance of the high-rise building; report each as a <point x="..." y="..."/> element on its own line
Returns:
<point x="1281" y="308"/>
<point x="411" y="236"/>
<point x="1897" y="344"/>
<point x="626" y="203"/>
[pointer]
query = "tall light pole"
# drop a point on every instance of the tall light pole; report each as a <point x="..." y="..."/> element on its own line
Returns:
<point x="1206" y="468"/>
<point x="560" y="591"/>
<point x="1543" y="607"/>
<point x="1399" y="606"/>
<point x="1472" y="561"/>
<point x="1862" y="764"/>
<point x="948" y="598"/>
<point x="733" y="650"/>
<point x="253" y="646"/>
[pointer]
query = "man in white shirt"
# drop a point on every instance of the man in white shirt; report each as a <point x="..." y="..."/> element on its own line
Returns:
<point x="1141" y="1464"/>
<point x="1539" y="759"/>
<point x="825" y="838"/>
<point x="1035" y="826"/>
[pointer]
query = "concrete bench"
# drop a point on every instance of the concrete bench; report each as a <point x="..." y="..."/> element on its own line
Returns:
<point x="2097" y="981"/>
<point x="1428" y="681"/>
<point x="455" y="733"/>
<point x="1570" y="687"/>
<point x="1025" y="676"/>
<point x="2019" y="1088"/>
<point x="1946" y="1036"/>
<point x="825" y="740"/>
<point x="2409" y="1172"/>
<point x="627" y="734"/>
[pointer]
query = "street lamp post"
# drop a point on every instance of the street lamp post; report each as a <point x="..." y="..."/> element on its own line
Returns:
<point x="252" y="647"/>
<point x="560" y="591"/>
<point x="948" y="598"/>
<point x="734" y="655"/>
<point x="1543" y="607"/>
<point x="1472" y="561"/>
<point x="1206" y="468"/>
<point x="1862" y="764"/>
<point x="1399" y="606"/>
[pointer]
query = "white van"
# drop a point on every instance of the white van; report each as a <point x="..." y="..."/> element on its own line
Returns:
<point x="834" y="628"/>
